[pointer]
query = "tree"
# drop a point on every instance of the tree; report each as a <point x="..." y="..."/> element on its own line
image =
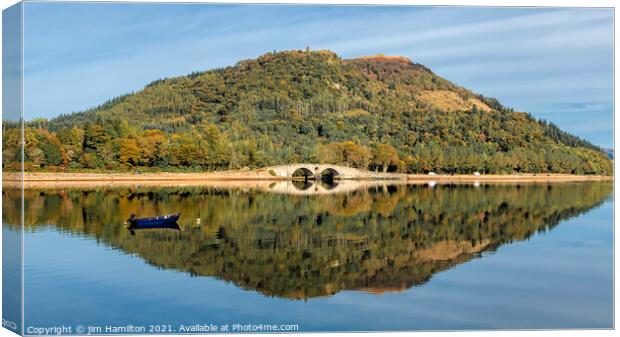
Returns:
<point x="72" y="140"/>
<point x="89" y="160"/>
<point x="129" y="153"/>
<point x="151" y="145"/>
<point x="94" y="137"/>
<point x="218" y="154"/>
<point x="356" y="155"/>
<point x="51" y="148"/>
<point x="35" y="156"/>
<point x="11" y="148"/>
<point x="385" y="155"/>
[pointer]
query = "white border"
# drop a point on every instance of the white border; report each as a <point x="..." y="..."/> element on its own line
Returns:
<point x="505" y="3"/>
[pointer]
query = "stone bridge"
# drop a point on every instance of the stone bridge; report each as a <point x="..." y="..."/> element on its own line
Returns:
<point x="313" y="171"/>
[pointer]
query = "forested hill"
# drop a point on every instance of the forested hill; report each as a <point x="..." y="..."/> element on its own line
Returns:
<point x="378" y="112"/>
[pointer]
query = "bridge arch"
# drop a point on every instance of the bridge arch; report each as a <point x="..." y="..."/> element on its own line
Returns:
<point x="302" y="172"/>
<point x="329" y="174"/>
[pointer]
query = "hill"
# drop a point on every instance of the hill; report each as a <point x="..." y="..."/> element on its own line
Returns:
<point x="378" y="112"/>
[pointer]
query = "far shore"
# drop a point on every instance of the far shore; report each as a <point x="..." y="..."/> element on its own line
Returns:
<point x="32" y="178"/>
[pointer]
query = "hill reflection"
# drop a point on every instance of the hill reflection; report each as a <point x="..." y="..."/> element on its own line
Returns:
<point x="371" y="239"/>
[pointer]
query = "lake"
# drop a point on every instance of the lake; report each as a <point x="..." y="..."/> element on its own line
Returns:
<point x="361" y="258"/>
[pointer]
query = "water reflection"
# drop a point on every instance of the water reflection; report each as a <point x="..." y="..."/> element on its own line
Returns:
<point x="373" y="238"/>
<point x="323" y="186"/>
<point x="315" y="186"/>
<point x="301" y="185"/>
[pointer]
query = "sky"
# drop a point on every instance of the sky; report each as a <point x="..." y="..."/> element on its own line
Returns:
<point x="556" y="63"/>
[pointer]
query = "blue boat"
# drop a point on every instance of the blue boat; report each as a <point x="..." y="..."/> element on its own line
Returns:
<point x="165" y="221"/>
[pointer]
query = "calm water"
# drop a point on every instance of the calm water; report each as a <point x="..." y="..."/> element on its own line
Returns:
<point x="373" y="258"/>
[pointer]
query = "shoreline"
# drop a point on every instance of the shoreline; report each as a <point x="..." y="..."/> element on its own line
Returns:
<point x="263" y="175"/>
<point x="516" y="178"/>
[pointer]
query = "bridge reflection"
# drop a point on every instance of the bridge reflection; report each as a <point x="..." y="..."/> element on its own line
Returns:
<point x="326" y="184"/>
<point x="321" y="186"/>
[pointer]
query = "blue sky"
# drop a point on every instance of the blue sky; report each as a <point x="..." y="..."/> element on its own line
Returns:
<point x="556" y="63"/>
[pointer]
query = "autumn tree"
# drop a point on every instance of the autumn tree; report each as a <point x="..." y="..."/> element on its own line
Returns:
<point x="384" y="155"/>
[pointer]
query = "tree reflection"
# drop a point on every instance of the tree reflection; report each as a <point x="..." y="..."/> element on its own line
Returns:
<point x="376" y="239"/>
